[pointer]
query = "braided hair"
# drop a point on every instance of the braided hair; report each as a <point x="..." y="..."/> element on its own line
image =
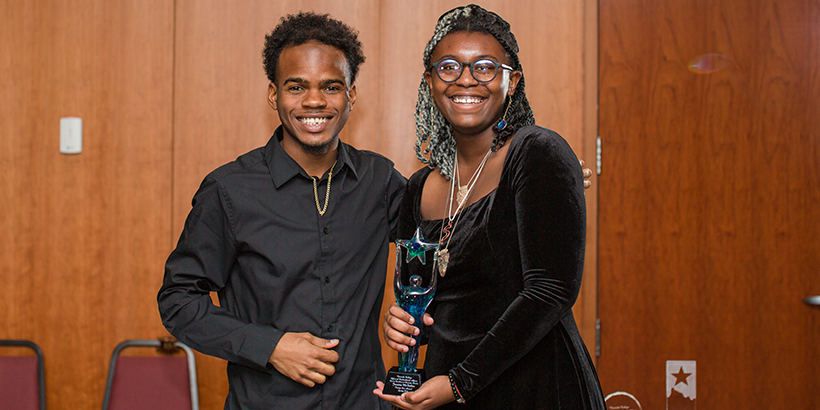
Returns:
<point x="432" y="128"/>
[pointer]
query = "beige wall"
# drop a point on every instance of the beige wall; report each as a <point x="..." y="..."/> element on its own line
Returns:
<point x="169" y="90"/>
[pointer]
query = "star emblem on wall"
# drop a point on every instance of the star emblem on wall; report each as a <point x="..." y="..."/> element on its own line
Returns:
<point x="681" y="376"/>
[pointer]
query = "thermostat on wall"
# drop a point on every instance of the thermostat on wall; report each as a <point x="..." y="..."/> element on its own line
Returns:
<point x="71" y="135"/>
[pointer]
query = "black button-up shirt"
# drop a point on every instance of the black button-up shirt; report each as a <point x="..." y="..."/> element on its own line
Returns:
<point x="255" y="237"/>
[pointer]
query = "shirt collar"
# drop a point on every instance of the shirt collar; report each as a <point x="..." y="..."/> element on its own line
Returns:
<point x="283" y="168"/>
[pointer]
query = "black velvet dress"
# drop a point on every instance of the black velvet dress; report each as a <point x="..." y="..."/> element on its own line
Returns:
<point x="503" y="321"/>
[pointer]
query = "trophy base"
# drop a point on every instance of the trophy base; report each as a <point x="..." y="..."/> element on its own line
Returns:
<point x="398" y="382"/>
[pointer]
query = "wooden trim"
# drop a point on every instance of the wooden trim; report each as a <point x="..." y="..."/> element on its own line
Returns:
<point x="589" y="304"/>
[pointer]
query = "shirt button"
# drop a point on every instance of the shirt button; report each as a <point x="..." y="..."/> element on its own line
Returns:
<point x="330" y="328"/>
<point x="327" y="279"/>
<point x="326" y="230"/>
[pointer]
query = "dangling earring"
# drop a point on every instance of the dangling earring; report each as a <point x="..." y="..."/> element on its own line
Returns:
<point x="503" y="123"/>
<point x="432" y="124"/>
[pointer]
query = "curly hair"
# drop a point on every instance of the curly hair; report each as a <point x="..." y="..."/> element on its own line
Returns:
<point x="432" y="128"/>
<point x="294" y="30"/>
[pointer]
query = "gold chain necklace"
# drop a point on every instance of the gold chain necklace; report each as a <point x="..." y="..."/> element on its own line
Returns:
<point x="327" y="194"/>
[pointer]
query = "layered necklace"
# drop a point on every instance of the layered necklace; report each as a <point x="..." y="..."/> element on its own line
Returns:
<point x="448" y="226"/>
<point x="327" y="194"/>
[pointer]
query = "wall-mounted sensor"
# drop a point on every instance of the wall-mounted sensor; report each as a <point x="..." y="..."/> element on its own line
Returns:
<point x="71" y="135"/>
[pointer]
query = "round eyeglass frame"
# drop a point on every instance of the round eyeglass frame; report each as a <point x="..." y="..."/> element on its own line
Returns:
<point x="498" y="65"/>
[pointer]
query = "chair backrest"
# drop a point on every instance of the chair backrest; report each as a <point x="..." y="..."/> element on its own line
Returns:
<point x="152" y="382"/>
<point x="22" y="378"/>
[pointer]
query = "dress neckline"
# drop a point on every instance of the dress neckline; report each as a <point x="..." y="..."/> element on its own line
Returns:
<point x="417" y="202"/>
<point x="511" y="143"/>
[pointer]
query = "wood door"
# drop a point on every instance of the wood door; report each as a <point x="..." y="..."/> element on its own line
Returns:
<point x="709" y="196"/>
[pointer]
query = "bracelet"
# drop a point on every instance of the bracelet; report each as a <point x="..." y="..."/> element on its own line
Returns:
<point x="456" y="393"/>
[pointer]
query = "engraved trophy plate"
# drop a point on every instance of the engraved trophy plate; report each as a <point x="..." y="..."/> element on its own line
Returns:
<point x="414" y="286"/>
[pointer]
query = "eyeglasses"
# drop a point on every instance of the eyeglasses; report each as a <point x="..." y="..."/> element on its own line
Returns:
<point x="484" y="71"/>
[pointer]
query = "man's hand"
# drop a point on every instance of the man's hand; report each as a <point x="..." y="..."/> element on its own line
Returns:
<point x="305" y="358"/>
<point x="587" y="175"/>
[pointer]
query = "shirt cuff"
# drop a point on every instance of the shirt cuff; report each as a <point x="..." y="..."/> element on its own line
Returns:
<point x="259" y="346"/>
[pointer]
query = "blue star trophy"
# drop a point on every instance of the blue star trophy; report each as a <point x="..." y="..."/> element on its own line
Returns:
<point x="414" y="286"/>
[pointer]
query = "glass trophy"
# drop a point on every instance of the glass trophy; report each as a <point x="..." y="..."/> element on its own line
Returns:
<point x="414" y="286"/>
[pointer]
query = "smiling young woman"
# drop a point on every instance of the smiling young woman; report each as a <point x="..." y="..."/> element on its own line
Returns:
<point x="507" y="206"/>
<point x="473" y="109"/>
<point x="472" y="105"/>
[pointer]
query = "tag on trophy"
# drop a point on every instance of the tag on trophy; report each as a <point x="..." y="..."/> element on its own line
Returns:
<point x="414" y="286"/>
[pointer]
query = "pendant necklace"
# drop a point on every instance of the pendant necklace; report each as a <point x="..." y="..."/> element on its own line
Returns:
<point x="327" y="194"/>
<point x="443" y="254"/>
<point x="462" y="189"/>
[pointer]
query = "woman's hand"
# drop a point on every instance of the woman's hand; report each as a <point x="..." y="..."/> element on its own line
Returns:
<point x="433" y="393"/>
<point x="398" y="324"/>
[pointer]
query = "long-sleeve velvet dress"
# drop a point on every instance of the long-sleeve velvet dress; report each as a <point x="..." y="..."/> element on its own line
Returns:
<point x="503" y="321"/>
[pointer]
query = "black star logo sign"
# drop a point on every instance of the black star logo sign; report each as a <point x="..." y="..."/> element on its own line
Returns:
<point x="680" y="377"/>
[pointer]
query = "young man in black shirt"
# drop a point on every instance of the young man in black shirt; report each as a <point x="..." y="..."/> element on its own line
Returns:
<point x="293" y="237"/>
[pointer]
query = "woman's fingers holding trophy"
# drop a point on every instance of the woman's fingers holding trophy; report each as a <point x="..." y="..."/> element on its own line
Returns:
<point x="398" y="328"/>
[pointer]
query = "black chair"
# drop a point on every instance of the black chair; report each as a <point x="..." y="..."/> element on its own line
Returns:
<point x="153" y="382"/>
<point x="22" y="378"/>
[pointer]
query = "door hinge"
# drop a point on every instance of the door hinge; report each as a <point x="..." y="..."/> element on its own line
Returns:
<point x="597" y="338"/>
<point x="598" y="155"/>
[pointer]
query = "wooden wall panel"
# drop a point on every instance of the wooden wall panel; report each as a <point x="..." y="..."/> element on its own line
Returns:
<point x="80" y="254"/>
